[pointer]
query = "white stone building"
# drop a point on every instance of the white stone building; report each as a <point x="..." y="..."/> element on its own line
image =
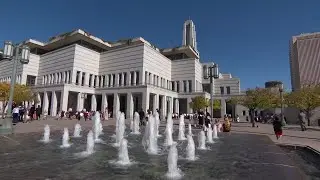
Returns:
<point x="77" y="70"/>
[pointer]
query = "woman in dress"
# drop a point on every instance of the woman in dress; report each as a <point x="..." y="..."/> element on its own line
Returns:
<point x="277" y="127"/>
<point x="226" y="125"/>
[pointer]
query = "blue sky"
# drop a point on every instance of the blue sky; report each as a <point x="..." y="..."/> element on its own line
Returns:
<point x="248" y="38"/>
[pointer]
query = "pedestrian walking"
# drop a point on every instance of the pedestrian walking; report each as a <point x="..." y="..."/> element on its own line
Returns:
<point x="302" y="120"/>
<point x="277" y="127"/>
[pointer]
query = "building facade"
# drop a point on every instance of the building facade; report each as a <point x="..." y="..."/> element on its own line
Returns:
<point x="79" y="71"/>
<point x="304" y="55"/>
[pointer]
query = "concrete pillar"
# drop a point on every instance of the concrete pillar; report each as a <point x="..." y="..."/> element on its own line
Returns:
<point x="176" y="104"/>
<point x="134" y="77"/>
<point x="104" y="102"/>
<point x="53" y="104"/>
<point x="145" y="100"/>
<point x="86" y="79"/>
<point x="152" y="79"/>
<point x="170" y="104"/>
<point x="147" y="78"/>
<point x="181" y="86"/>
<point x="68" y="77"/>
<point x="187" y="86"/>
<point x="74" y="76"/>
<point x="129" y="79"/>
<point x="164" y="106"/>
<point x="129" y="113"/>
<point x="106" y="80"/>
<point x="64" y="100"/>
<point x="116" y="104"/>
<point x="38" y="100"/>
<point x="117" y="79"/>
<point x="45" y="102"/>
<point x="91" y="79"/>
<point x="93" y="102"/>
<point x="111" y="80"/>
<point x="142" y="78"/>
<point x="63" y="78"/>
<point x="80" y="102"/>
<point x="189" y="109"/>
<point x="155" y="102"/>
<point x="122" y="79"/>
<point x="223" y="107"/>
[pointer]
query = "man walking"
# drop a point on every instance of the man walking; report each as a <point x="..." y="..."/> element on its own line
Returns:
<point x="302" y="120"/>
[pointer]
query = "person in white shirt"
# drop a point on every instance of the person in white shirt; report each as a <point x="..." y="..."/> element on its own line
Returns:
<point x="15" y="115"/>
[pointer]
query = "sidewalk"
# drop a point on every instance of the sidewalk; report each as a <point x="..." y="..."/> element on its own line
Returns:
<point x="292" y="134"/>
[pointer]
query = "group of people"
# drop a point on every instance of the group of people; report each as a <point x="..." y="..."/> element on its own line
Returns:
<point x="25" y="114"/>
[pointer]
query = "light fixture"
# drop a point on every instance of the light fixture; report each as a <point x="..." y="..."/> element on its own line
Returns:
<point x="25" y="55"/>
<point x="215" y="71"/>
<point x="8" y="50"/>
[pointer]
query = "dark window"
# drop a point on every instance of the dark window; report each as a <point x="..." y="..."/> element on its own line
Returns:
<point x="31" y="80"/>
<point x="228" y="89"/>
<point x="77" y="77"/>
<point x="222" y="90"/>
<point x="82" y="79"/>
<point x="138" y="78"/>
<point x="243" y="113"/>
<point x="90" y="80"/>
<point x="190" y="86"/>
<point x="178" y="86"/>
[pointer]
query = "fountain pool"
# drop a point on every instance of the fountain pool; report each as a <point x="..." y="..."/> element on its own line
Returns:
<point x="228" y="158"/>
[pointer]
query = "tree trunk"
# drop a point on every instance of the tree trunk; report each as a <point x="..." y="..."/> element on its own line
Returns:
<point x="308" y="114"/>
<point x="251" y="113"/>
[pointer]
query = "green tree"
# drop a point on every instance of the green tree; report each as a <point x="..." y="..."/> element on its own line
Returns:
<point x="254" y="99"/>
<point x="21" y="93"/>
<point x="201" y="103"/>
<point x="306" y="99"/>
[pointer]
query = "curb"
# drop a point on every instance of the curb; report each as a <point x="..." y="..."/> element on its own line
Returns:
<point x="300" y="145"/>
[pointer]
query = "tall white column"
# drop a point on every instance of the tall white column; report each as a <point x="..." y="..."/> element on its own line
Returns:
<point x="122" y="79"/>
<point x="74" y="76"/>
<point x="116" y="104"/>
<point x="176" y="103"/>
<point x="63" y="78"/>
<point x="223" y="107"/>
<point x="45" y="102"/>
<point x="145" y="100"/>
<point x="53" y="104"/>
<point x="187" y="86"/>
<point x="175" y="86"/>
<point x="38" y="100"/>
<point x="117" y="79"/>
<point x="134" y="77"/>
<point x="147" y="78"/>
<point x="189" y="109"/>
<point x="80" y="102"/>
<point x="129" y="112"/>
<point x="111" y="80"/>
<point x="164" y="106"/>
<point x="181" y="84"/>
<point x="106" y="79"/>
<point x="64" y="100"/>
<point x="129" y="78"/>
<point x="104" y="102"/>
<point x="155" y="102"/>
<point x="68" y="77"/>
<point x="86" y="79"/>
<point x="93" y="102"/>
<point x="171" y="104"/>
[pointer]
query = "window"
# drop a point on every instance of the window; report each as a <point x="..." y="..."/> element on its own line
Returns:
<point x="190" y="85"/>
<point x="243" y="113"/>
<point x="77" y="77"/>
<point x="95" y="81"/>
<point x="125" y="79"/>
<point x="222" y="90"/>
<point x="103" y="80"/>
<point x="172" y="86"/>
<point x="120" y="79"/>
<point x="228" y="89"/>
<point x="113" y="76"/>
<point x="138" y="78"/>
<point x="82" y="79"/>
<point x="90" y="80"/>
<point x="31" y="80"/>
<point x="184" y="86"/>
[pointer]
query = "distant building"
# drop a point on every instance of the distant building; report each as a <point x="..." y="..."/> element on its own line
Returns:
<point x="304" y="55"/>
<point x="189" y="35"/>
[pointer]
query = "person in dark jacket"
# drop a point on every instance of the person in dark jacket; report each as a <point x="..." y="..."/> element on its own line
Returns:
<point x="277" y="127"/>
<point x="38" y="112"/>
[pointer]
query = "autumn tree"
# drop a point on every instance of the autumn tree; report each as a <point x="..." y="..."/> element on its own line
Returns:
<point x="21" y="93"/>
<point x="258" y="98"/>
<point x="200" y="103"/>
<point x="306" y="99"/>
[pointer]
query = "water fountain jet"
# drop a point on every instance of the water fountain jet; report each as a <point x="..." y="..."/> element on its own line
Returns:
<point x="209" y="135"/>
<point x="136" y="121"/>
<point x="120" y="130"/>
<point x="215" y="132"/>
<point x="182" y="127"/>
<point x="77" y="130"/>
<point x="190" y="149"/>
<point x="190" y="130"/>
<point x="173" y="171"/>
<point x="46" y="134"/>
<point x="65" y="139"/>
<point x="202" y="140"/>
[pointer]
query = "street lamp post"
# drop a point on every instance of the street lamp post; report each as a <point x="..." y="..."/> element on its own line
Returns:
<point x="281" y="99"/>
<point x="16" y="53"/>
<point x="213" y="74"/>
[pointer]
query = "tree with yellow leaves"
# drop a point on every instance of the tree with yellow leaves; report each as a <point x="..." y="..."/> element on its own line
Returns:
<point x="306" y="99"/>
<point x="21" y="93"/>
<point x="258" y="98"/>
